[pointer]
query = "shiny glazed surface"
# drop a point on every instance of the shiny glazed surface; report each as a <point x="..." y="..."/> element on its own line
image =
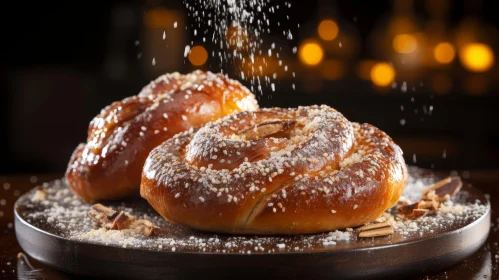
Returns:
<point x="323" y="173"/>
<point x="109" y="165"/>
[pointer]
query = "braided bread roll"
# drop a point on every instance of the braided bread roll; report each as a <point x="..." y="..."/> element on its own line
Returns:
<point x="275" y="171"/>
<point x="109" y="165"/>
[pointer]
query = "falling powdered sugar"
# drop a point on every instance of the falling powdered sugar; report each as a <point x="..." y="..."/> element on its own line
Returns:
<point x="238" y="31"/>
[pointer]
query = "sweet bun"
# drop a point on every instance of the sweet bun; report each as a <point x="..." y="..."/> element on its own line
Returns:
<point x="275" y="171"/>
<point x="109" y="165"/>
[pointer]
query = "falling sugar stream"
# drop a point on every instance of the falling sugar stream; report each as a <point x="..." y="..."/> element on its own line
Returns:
<point x="239" y="32"/>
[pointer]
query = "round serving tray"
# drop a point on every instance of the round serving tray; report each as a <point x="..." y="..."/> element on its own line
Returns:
<point x="181" y="252"/>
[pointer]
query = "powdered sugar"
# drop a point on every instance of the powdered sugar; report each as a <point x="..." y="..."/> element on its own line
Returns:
<point x="238" y="32"/>
<point x="63" y="214"/>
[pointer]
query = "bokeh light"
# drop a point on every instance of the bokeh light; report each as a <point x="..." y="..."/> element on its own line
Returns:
<point x="405" y="43"/>
<point x="198" y="55"/>
<point x="441" y="83"/>
<point x="311" y="53"/>
<point x="364" y="68"/>
<point x="444" y="53"/>
<point x="477" y="57"/>
<point x="160" y="18"/>
<point x="328" y="30"/>
<point x="237" y="37"/>
<point x="382" y="74"/>
<point x="332" y="69"/>
<point x="475" y="84"/>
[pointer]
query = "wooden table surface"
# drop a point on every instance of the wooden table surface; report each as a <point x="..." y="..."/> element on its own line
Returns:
<point x="483" y="264"/>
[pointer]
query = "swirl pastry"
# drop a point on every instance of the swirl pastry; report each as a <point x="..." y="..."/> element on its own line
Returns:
<point x="109" y="165"/>
<point x="275" y="171"/>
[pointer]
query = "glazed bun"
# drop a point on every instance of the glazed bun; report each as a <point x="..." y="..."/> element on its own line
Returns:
<point x="109" y="165"/>
<point x="275" y="171"/>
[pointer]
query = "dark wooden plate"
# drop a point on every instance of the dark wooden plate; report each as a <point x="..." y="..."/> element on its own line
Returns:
<point x="199" y="254"/>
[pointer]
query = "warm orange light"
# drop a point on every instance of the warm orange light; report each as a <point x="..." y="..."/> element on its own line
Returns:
<point x="476" y="84"/>
<point x="160" y="18"/>
<point x="404" y="43"/>
<point x="364" y="69"/>
<point x="198" y="56"/>
<point x="441" y="83"/>
<point x="332" y="69"/>
<point x="444" y="53"/>
<point x="311" y="53"/>
<point x="263" y="66"/>
<point x="328" y="30"/>
<point x="477" y="57"/>
<point x="382" y="74"/>
<point x="237" y="37"/>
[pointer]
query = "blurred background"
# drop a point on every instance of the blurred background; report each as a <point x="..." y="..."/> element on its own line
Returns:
<point x="425" y="71"/>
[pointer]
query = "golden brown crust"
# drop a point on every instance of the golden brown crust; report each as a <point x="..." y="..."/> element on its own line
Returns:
<point x="320" y="173"/>
<point x="109" y="165"/>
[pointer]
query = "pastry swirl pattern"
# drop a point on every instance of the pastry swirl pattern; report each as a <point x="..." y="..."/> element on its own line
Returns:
<point x="275" y="171"/>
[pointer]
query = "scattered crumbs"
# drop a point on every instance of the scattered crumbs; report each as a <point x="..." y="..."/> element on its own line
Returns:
<point x="67" y="215"/>
<point x="39" y="195"/>
<point x="327" y="243"/>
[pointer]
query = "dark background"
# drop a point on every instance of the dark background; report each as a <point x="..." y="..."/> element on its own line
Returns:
<point x="62" y="62"/>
